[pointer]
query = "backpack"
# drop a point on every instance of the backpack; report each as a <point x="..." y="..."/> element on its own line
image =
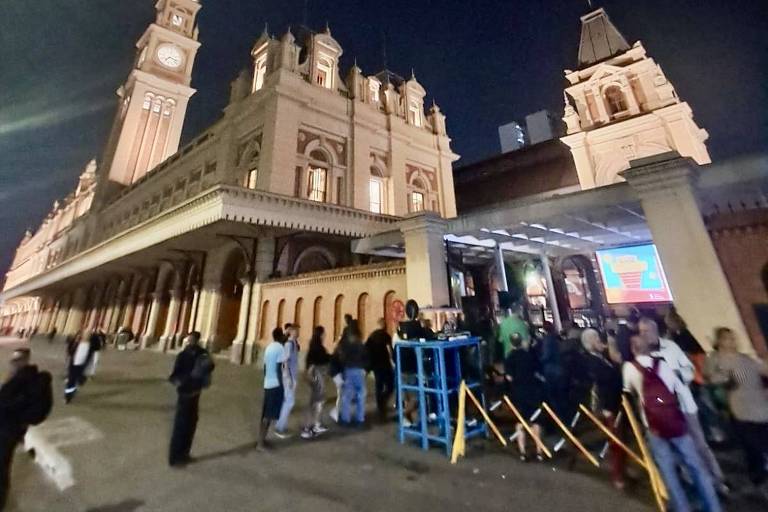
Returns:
<point x="662" y="410"/>
<point x="202" y="369"/>
<point x="40" y="399"/>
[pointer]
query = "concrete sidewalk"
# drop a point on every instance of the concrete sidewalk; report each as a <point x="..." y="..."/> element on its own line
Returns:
<point x="124" y="468"/>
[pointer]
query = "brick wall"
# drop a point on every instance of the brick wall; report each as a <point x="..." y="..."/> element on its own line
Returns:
<point x="741" y="241"/>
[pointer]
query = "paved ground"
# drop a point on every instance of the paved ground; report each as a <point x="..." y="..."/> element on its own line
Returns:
<point x="121" y="422"/>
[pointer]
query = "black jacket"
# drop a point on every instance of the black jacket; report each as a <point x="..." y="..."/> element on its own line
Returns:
<point x="182" y="370"/>
<point x="14" y="400"/>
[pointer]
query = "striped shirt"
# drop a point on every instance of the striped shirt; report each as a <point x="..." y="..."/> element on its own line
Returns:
<point x="747" y="397"/>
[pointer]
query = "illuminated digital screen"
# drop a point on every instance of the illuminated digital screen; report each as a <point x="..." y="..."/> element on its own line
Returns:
<point x="633" y="274"/>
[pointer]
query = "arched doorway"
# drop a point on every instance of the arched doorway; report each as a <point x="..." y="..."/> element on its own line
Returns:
<point x="337" y="316"/>
<point x="316" y="312"/>
<point x="297" y="311"/>
<point x="263" y="320"/>
<point x="362" y="317"/>
<point x="231" y="296"/>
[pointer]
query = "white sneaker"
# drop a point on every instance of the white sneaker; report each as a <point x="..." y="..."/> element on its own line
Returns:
<point x="307" y="433"/>
<point x="319" y="429"/>
<point x="407" y="423"/>
<point x="284" y="434"/>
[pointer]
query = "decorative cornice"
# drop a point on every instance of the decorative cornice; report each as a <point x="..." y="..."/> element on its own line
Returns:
<point x="390" y="268"/>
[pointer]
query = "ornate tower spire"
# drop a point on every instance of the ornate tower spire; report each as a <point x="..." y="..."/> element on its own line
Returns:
<point x="153" y="99"/>
<point x="619" y="106"/>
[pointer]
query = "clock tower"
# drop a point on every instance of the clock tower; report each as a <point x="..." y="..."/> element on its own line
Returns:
<point x="153" y="101"/>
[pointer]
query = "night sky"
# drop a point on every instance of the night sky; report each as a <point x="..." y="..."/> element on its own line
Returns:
<point x="485" y="63"/>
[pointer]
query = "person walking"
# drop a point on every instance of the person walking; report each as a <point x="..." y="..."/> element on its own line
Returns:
<point x="379" y="347"/>
<point x="656" y="386"/>
<point x="605" y="371"/>
<point x="552" y="367"/>
<point x="744" y="379"/>
<point x="97" y="340"/>
<point x="274" y="360"/>
<point x="708" y="414"/>
<point x="290" y="379"/>
<point x="354" y="359"/>
<point x="26" y="399"/>
<point x="674" y="356"/>
<point x="512" y="324"/>
<point x="526" y="384"/>
<point x="191" y="374"/>
<point x="81" y="352"/>
<point x="318" y="361"/>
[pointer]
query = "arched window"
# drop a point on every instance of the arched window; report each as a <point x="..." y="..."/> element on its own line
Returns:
<point x="251" y="177"/>
<point x="324" y="73"/>
<point x="337" y="316"/>
<point x="362" y="306"/>
<point x="414" y="114"/>
<point x="376" y="191"/>
<point x="259" y="71"/>
<point x="316" y="311"/>
<point x="263" y="320"/>
<point x="615" y="99"/>
<point x="317" y="177"/>
<point x="417" y="202"/>
<point x="280" y="311"/>
<point x="297" y="311"/>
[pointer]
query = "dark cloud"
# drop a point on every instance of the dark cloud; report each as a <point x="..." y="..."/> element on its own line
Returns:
<point x="485" y="62"/>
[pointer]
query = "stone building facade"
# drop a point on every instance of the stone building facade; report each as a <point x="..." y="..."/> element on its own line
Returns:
<point x="257" y="211"/>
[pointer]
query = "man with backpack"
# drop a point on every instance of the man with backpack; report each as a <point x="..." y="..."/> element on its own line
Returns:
<point x="26" y="399"/>
<point x="191" y="374"/>
<point x="659" y="393"/>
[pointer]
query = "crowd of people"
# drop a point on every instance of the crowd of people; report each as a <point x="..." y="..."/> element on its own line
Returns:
<point x="347" y="365"/>
<point x="686" y="398"/>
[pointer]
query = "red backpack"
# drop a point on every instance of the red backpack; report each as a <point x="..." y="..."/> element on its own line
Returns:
<point x="662" y="410"/>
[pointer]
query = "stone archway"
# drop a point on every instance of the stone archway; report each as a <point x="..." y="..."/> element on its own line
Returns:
<point x="231" y="295"/>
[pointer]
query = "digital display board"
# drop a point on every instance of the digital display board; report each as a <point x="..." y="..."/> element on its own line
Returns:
<point x="633" y="274"/>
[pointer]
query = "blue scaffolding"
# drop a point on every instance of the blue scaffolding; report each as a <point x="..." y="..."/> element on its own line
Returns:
<point x="441" y="366"/>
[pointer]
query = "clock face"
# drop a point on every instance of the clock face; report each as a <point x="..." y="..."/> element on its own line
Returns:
<point x="170" y="56"/>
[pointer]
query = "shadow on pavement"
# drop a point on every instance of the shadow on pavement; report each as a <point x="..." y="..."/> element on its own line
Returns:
<point x="129" y="505"/>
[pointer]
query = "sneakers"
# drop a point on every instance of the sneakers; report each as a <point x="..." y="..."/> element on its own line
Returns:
<point x="319" y="429"/>
<point x="283" y="434"/>
<point x="308" y="433"/>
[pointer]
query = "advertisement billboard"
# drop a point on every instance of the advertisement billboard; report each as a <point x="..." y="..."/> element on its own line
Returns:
<point x="633" y="274"/>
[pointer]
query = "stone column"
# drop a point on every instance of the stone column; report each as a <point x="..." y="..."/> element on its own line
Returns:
<point x="237" y="354"/>
<point x="210" y="316"/>
<point x="194" y="305"/>
<point x="129" y="308"/>
<point x="171" y="321"/>
<point x="61" y="315"/>
<point x="699" y="287"/>
<point x="76" y="313"/>
<point x="140" y="310"/>
<point x="262" y="269"/>
<point x="425" y="259"/>
<point x="148" y="336"/>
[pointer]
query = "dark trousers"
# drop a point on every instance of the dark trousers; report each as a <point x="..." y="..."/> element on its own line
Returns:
<point x="184" y="425"/>
<point x="754" y="441"/>
<point x="75" y="377"/>
<point x="8" y="442"/>
<point x="385" y="385"/>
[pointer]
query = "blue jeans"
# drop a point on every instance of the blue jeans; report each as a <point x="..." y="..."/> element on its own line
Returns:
<point x="289" y="399"/>
<point x="353" y="389"/>
<point x="668" y="453"/>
